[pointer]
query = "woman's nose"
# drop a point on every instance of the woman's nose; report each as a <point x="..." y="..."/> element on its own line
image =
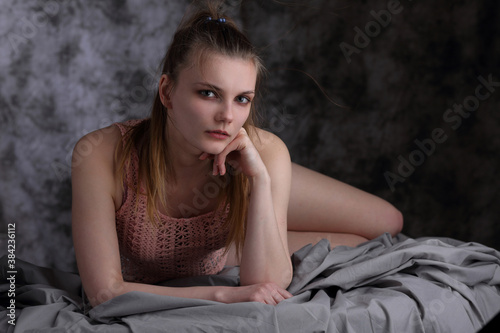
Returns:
<point x="225" y="113"/>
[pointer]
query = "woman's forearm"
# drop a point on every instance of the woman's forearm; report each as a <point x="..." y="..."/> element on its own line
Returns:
<point x="264" y="256"/>
<point x="212" y="293"/>
<point x="267" y="293"/>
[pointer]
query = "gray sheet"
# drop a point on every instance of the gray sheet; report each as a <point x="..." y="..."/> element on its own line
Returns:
<point x="385" y="285"/>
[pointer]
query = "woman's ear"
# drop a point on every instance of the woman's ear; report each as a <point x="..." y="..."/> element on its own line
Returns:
<point x="164" y="90"/>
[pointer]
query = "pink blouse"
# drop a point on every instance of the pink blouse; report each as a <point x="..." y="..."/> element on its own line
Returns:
<point x="176" y="247"/>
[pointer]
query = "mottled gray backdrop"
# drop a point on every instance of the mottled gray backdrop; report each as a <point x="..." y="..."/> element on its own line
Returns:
<point x="391" y="97"/>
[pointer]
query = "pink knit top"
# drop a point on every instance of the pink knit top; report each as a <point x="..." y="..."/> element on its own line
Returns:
<point x="177" y="247"/>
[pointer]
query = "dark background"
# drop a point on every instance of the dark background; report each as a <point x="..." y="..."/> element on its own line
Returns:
<point x="70" y="67"/>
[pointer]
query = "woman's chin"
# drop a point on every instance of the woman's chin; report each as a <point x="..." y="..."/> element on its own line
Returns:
<point x="213" y="150"/>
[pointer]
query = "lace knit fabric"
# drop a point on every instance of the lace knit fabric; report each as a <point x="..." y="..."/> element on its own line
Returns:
<point x="177" y="247"/>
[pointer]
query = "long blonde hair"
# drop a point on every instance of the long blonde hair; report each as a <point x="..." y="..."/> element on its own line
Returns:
<point x="204" y="32"/>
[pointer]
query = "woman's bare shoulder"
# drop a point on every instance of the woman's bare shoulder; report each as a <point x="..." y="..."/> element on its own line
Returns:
<point x="93" y="167"/>
<point x="266" y="141"/>
<point x="97" y="145"/>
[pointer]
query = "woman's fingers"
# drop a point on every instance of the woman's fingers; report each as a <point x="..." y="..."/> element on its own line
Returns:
<point x="246" y="157"/>
<point x="266" y="293"/>
<point x="277" y="297"/>
<point x="237" y="144"/>
<point x="220" y="164"/>
<point x="205" y="156"/>
<point x="283" y="294"/>
<point x="286" y="294"/>
<point x="216" y="170"/>
<point x="274" y="294"/>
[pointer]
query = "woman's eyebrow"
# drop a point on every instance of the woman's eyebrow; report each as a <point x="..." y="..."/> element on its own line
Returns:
<point x="214" y="87"/>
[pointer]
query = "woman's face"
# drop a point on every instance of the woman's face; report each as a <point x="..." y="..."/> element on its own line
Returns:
<point x="209" y="103"/>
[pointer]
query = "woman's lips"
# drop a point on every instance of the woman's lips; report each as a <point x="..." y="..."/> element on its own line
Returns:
<point x="220" y="135"/>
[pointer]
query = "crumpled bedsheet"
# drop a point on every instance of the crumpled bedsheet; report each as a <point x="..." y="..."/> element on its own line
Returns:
<point x="385" y="285"/>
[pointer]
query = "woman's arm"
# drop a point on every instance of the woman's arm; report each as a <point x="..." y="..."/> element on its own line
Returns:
<point x="95" y="198"/>
<point x="265" y="255"/>
<point x="266" y="162"/>
<point x="93" y="215"/>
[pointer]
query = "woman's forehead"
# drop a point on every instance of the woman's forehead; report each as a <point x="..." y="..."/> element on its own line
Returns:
<point x="222" y="71"/>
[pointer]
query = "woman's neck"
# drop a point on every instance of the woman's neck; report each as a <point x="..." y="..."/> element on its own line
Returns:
<point x="185" y="160"/>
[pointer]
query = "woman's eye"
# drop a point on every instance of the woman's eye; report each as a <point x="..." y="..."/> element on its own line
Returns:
<point x="243" y="99"/>
<point x="207" y="93"/>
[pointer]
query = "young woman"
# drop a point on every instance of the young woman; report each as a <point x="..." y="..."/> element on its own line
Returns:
<point x="197" y="185"/>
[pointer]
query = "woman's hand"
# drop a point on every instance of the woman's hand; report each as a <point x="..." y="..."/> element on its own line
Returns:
<point x="241" y="154"/>
<point x="267" y="293"/>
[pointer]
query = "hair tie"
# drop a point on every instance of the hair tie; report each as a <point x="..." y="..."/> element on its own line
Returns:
<point x="221" y="20"/>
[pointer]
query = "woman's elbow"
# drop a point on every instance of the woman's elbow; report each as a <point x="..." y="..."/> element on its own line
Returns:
<point x="99" y="295"/>
<point x="286" y="279"/>
<point x="281" y="278"/>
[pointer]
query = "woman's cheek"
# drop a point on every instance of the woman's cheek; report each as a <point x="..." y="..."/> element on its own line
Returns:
<point x="243" y="116"/>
